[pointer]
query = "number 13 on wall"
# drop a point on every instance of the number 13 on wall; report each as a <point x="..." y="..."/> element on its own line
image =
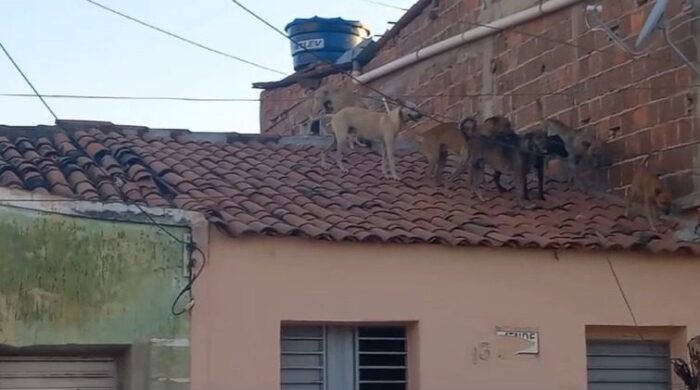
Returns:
<point x="481" y="352"/>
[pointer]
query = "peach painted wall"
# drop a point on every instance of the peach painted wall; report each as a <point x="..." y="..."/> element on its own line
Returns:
<point x="456" y="296"/>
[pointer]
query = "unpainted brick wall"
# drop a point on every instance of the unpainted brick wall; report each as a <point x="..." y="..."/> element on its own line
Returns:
<point x="638" y="105"/>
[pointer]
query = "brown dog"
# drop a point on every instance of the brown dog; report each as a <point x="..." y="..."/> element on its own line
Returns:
<point x="647" y="189"/>
<point x="584" y="149"/>
<point x="437" y="143"/>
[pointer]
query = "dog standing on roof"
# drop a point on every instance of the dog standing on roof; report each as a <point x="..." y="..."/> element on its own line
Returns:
<point x="648" y="190"/>
<point x="329" y="99"/>
<point x="439" y="141"/>
<point x="371" y="125"/>
<point x="496" y="144"/>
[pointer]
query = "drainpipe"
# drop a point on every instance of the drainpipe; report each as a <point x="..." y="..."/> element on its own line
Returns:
<point x="472" y="35"/>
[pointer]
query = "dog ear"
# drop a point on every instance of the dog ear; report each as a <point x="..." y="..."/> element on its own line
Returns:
<point x="467" y="126"/>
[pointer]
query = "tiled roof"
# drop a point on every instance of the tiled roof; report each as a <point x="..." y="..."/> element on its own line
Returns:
<point x="252" y="185"/>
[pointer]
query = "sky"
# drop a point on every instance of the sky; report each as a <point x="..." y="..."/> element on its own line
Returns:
<point x="73" y="47"/>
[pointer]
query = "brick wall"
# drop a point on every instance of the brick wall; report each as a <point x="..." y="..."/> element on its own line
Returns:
<point x="638" y="106"/>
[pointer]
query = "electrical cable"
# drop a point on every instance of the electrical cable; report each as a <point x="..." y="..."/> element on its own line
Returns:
<point x="385" y="5"/>
<point x="333" y="65"/>
<point x="166" y="98"/>
<point x="624" y="297"/>
<point x="605" y="28"/>
<point x="181" y="38"/>
<point x="402" y="96"/>
<point x="679" y="52"/>
<point x="26" y="79"/>
<point x="602" y="26"/>
<point x="662" y="25"/>
<point x="191" y="247"/>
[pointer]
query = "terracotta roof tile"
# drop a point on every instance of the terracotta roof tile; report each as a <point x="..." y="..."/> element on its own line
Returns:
<point x="268" y="189"/>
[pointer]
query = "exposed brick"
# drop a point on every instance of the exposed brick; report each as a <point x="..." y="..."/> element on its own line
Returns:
<point x="685" y="132"/>
<point x="671" y="137"/>
<point x="643" y="101"/>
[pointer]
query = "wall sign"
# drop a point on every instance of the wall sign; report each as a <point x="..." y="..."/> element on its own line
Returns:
<point x="309" y="44"/>
<point x="529" y="335"/>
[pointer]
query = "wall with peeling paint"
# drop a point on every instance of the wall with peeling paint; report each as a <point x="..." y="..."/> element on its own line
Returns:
<point x="71" y="280"/>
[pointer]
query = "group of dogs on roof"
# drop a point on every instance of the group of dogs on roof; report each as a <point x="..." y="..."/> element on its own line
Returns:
<point x="476" y="145"/>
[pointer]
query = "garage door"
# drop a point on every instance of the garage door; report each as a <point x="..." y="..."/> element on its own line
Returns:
<point x="51" y="373"/>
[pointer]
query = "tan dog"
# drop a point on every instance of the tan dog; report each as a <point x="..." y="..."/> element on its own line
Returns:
<point x="330" y="99"/>
<point x="647" y="189"/>
<point x="437" y="143"/>
<point x="367" y="124"/>
<point x="583" y="147"/>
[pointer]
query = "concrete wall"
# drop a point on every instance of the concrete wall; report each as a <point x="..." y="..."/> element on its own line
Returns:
<point x="638" y="106"/>
<point x="67" y="280"/>
<point x="452" y="297"/>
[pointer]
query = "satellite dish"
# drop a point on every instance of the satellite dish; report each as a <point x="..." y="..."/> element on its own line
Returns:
<point x="655" y="17"/>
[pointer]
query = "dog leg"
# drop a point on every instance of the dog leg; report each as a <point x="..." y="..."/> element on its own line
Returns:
<point x="539" y="166"/>
<point x="461" y="166"/>
<point x="497" y="181"/>
<point x="571" y="171"/>
<point x="476" y="177"/>
<point x="385" y="171"/>
<point x="430" y="169"/>
<point x="648" y="212"/>
<point x="523" y="183"/>
<point x="339" y="152"/>
<point x="389" y="150"/>
<point x="442" y="161"/>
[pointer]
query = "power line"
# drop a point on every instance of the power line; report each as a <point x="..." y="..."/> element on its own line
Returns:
<point x="170" y="98"/>
<point x="331" y="64"/>
<point x="191" y="42"/>
<point x="561" y="42"/>
<point x="385" y="5"/>
<point x="624" y="297"/>
<point x="36" y="93"/>
<point x="213" y="99"/>
<point x="118" y="183"/>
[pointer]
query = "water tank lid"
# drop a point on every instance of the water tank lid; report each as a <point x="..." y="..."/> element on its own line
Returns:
<point x="317" y="19"/>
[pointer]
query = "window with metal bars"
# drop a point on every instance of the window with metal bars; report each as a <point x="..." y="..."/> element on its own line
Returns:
<point x="633" y="365"/>
<point x="343" y="358"/>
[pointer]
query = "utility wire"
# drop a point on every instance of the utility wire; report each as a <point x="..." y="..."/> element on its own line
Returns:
<point x="191" y="42"/>
<point x="385" y="5"/>
<point x="393" y="100"/>
<point x="624" y="297"/>
<point x="24" y="76"/>
<point x="212" y="99"/>
<point x="167" y="98"/>
<point x="333" y="65"/>
<point x="562" y="42"/>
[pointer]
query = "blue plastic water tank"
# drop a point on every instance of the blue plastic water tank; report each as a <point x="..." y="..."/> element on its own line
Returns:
<point x="327" y="38"/>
